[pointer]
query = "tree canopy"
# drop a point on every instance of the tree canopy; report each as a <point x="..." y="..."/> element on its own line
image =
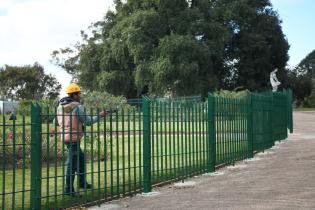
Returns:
<point x="27" y="82"/>
<point x="180" y="47"/>
<point x="308" y="64"/>
<point x="303" y="81"/>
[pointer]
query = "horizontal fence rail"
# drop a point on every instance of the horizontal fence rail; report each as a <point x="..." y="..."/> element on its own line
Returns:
<point x="127" y="151"/>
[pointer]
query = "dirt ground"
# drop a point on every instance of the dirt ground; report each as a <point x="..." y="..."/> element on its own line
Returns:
<point x="281" y="178"/>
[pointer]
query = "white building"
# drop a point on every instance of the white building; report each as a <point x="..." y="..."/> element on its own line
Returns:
<point x="8" y="106"/>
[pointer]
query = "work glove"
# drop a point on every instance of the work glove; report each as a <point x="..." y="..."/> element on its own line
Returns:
<point x="11" y="135"/>
<point x="103" y="113"/>
<point x="52" y="132"/>
<point x="106" y="112"/>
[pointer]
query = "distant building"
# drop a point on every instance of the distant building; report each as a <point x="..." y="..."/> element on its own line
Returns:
<point x="8" y="106"/>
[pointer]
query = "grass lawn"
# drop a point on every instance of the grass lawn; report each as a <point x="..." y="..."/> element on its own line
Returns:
<point x="304" y="109"/>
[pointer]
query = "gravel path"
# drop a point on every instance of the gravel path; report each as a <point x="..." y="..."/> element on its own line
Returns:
<point x="281" y="178"/>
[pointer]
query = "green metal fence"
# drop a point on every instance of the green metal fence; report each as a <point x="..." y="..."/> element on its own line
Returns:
<point x="130" y="150"/>
<point x="232" y="129"/>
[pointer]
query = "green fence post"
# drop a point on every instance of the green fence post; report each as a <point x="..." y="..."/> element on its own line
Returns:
<point x="36" y="157"/>
<point x="250" y="136"/>
<point x="146" y="145"/>
<point x="290" y="113"/>
<point x="286" y="116"/>
<point x="271" y="119"/>
<point x="211" y="134"/>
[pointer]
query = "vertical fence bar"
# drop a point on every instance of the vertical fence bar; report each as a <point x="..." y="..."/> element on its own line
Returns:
<point x="4" y="162"/>
<point x="23" y="162"/>
<point x="129" y="169"/>
<point x="178" y="171"/>
<point x="14" y="164"/>
<point x="244" y="131"/>
<point x="211" y="134"/>
<point x="182" y="139"/>
<point x="161" y="142"/>
<point x="290" y="114"/>
<point x="203" y="138"/>
<point x="186" y="139"/>
<point x="193" y="145"/>
<point x="92" y="151"/>
<point x="173" y="114"/>
<point x="165" y="142"/>
<point x="117" y="154"/>
<point x="171" y="137"/>
<point x="157" y="140"/>
<point x="47" y="158"/>
<point x="134" y="151"/>
<point x="250" y="152"/>
<point x="271" y="118"/>
<point x="238" y="104"/>
<point x="140" y="148"/>
<point x="98" y="159"/>
<point x="84" y="151"/>
<point x="111" y="155"/>
<point x="105" y="156"/>
<point x="153" y="151"/>
<point x="222" y="127"/>
<point x="123" y="150"/>
<point x="36" y="157"/>
<point x="146" y="145"/>
<point x="223" y="130"/>
<point x="63" y="158"/>
<point x="55" y="162"/>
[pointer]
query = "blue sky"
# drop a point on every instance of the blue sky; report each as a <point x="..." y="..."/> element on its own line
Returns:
<point x="31" y="29"/>
<point x="298" y="25"/>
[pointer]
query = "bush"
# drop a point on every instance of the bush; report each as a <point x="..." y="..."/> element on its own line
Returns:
<point x="231" y="94"/>
<point x="309" y="102"/>
<point x="24" y="108"/>
<point x="104" y="100"/>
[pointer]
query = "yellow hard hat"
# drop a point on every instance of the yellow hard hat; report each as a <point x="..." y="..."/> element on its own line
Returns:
<point x="73" y="88"/>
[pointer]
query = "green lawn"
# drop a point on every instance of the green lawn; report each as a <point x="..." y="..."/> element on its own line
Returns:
<point x="303" y="109"/>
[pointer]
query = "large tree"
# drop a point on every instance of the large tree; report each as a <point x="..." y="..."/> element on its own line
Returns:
<point x="257" y="45"/>
<point x="179" y="46"/>
<point x="302" y="80"/>
<point x="308" y="64"/>
<point x="28" y="82"/>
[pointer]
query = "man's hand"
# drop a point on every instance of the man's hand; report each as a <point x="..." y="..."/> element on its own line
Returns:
<point x="52" y="132"/>
<point x="103" y="113"/>
<point x="106" y="112"/>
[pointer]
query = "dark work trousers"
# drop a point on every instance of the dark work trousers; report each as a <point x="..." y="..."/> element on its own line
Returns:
<point x="75" y="166"/>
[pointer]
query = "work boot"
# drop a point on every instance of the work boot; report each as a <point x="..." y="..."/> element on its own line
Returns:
<point x="73" y="193"/>
<point x="87" y="186"/>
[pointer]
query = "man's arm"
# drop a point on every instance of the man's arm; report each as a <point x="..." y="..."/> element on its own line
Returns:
<point x="86" y="120"/>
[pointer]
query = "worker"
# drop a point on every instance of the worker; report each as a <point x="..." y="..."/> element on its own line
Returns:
<point x="71" y="119"/>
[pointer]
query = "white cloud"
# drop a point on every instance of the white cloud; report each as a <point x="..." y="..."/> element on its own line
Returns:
<point x="31" y="29"/>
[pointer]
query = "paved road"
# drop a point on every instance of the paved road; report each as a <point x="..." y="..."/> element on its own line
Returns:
<point x="281" y="178"/>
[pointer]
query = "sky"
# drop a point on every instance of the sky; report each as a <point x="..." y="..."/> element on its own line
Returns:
<point x="298" y="24"/>
<point x="31" y="29"/>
